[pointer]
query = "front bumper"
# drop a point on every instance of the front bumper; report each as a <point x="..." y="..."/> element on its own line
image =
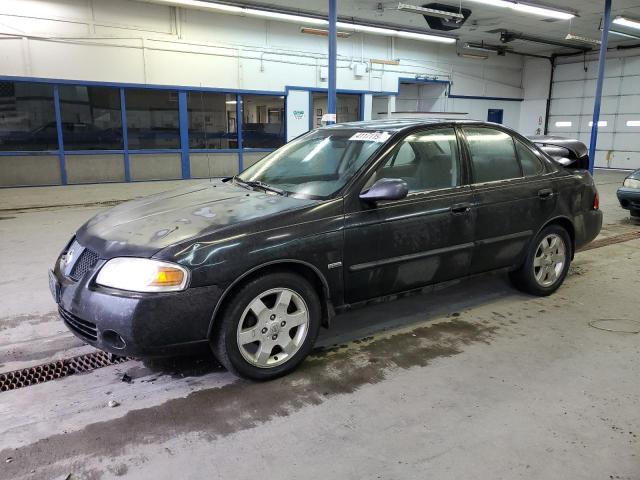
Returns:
<point x="136" y="324"/>
<point x="629" y="198"/>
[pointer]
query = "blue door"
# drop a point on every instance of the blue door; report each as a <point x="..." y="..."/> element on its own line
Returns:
<point x="495" y="115"/>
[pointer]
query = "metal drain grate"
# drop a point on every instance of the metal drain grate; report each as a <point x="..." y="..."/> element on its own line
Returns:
<point x="603" y="242"/>
<point x="58" y="369"/>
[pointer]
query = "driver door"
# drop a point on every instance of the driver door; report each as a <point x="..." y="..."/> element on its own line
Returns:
<point x="425" y="238"/>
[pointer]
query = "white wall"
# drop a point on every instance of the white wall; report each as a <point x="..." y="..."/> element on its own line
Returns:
<point x="134" y="42"/>
<point x="573" y="95"/>
<point x="533" y="109"/>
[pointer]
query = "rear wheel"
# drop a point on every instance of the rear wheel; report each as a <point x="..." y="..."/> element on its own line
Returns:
<point x="268" y="327"/>
<point x="547" y="262"/>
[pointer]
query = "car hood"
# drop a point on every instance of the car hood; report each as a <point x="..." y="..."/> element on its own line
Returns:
<point x="635" y="175"/>
<point x="145" y="226"/>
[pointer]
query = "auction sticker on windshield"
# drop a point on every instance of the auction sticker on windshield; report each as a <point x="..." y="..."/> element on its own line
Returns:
<point x="370" y="137"/>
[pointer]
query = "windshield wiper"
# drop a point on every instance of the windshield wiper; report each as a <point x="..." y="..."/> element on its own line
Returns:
<point x="265" y="186"/>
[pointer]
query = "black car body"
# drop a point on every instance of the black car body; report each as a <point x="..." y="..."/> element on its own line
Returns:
<point x="629" y="194"/>
<point x="350" y="249"/>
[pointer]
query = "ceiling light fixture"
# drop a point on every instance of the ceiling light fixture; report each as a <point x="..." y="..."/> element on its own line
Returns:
<point x="623" y="34"/>
<point x="322" y="32"/>
<point x="481" y="47"/>
<point x="431" y="12"/>
<point x="627" y="22"/>
<point x="390" y="32"/>
<point x="530" y="8"/>
<point x="580" y="38"/>
<point x="473" y="56"/>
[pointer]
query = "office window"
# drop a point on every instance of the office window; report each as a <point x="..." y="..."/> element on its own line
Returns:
<point x="212" y="120"/>
<point x="91" y="118"/>
<point x="262" y="121"/>
<point x="347" y="107"/>
<point x="492" y="155"/>
<point x="152" y="119"/>
<point x="27" y="117"/>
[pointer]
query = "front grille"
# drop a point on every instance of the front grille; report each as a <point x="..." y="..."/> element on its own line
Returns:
<point x="83" y="328"/>
<point x="85" y="263"/>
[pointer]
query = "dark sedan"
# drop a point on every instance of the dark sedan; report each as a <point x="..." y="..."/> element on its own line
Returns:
<point x="254" y="265"/>
<point x="629" y="194"/>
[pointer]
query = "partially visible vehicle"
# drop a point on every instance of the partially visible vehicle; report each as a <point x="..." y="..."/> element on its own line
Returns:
<point x="568" y="152"/>
<point x="629" y="194"/>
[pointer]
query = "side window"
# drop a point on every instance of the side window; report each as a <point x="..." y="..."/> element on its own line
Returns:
<point x="426" y="160"/>
<point x="531" y="164"/>
<point x="493" y="155"/>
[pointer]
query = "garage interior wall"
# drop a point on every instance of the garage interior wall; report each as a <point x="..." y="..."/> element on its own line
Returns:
<point x="572" y="103"/>
<point x="128" y="44"/>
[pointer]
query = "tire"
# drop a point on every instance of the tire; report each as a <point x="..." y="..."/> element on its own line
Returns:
<point x="543" y="272"/>
<point x="282" y="312"/>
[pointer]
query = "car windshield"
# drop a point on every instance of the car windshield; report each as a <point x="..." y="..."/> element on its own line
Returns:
<point x="317" y="164"/>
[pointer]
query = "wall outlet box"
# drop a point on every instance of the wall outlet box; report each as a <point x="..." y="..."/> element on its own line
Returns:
<point x="359" y="69"/>
<point x="324" y="73"/>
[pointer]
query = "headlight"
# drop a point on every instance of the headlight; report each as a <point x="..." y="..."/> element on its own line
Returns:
<point x="143" y="275"/>
<point x="631" y="183"/>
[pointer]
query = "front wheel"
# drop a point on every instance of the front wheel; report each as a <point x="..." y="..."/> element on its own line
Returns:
<point x="268" y="327"/>
<point x="547" y="262"/>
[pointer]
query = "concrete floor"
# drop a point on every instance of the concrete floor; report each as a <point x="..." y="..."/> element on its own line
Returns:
<point x="472" y="381"/>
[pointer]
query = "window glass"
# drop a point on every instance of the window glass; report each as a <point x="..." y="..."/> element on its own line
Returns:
<point x="262" y="121"/>
<point x="27" y="117"/>
<point x="91" y="118"/>
<point x="492" y="154"/>
<point x="152" y="119"/>
<point x="347" y="107"/>
<point x="317" y="164"/>
<point x="426" y="160"/>
<point x="212" y="120"/>
<point x="531" y="164"/>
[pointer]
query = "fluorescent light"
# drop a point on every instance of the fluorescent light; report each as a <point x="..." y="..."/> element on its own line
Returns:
<point x="495" y="3"/>
<point x="601" y="123"/>
<point x="633" y="123"/>
<point x="430" y="12"/>
<point x="545" y="12"/>
<point x="323" y="32"/>
<point x="286" y="17"/>
<point x="628" y="35"/>
<point x="389" y="32"/>
<point x="580" y="38"/>
<point x="481" y="47"/>
<point x="528" y="8"/>
<point x="627" y="22"/>
<point x="563" y="124"/>
<point x="474" y="56"/>
<point x="426" y="37"/>
<point x="199" y="4"/>
<point x="231" y="102"/>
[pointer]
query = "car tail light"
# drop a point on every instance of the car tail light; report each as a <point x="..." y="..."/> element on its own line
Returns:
<point x="596" y="201"/>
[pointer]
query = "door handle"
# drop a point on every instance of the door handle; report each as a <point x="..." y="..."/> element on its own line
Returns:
<point x="461" y="208"/>
<point x="545" y="193"/>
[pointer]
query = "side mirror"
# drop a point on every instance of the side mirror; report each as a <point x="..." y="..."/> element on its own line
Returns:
<point x="386" y="189"/>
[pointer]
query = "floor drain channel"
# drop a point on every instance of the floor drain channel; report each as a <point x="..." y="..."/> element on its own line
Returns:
<point x="58" y="369"/>
<point x="603" y="242"/>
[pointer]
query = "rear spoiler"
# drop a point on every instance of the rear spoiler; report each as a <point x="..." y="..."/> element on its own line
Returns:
<point x="568" y="152"/>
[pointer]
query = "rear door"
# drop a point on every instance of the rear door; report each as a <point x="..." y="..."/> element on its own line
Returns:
<point x="424" y="238"/>
<point x="513" y="193"/>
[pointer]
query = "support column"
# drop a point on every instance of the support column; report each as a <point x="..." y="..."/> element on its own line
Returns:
<point x="333" y="53"/>
<point x="606" y="22"/>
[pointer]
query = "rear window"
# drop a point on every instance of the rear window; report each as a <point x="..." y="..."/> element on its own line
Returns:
<point x="493" y="155"/>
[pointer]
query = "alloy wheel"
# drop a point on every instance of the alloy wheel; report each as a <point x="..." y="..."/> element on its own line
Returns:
<point x="273" y="327"/>
<point x="549" y="260"/>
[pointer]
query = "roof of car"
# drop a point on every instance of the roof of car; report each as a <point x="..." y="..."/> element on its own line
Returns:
<point x="397" y="124"/>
